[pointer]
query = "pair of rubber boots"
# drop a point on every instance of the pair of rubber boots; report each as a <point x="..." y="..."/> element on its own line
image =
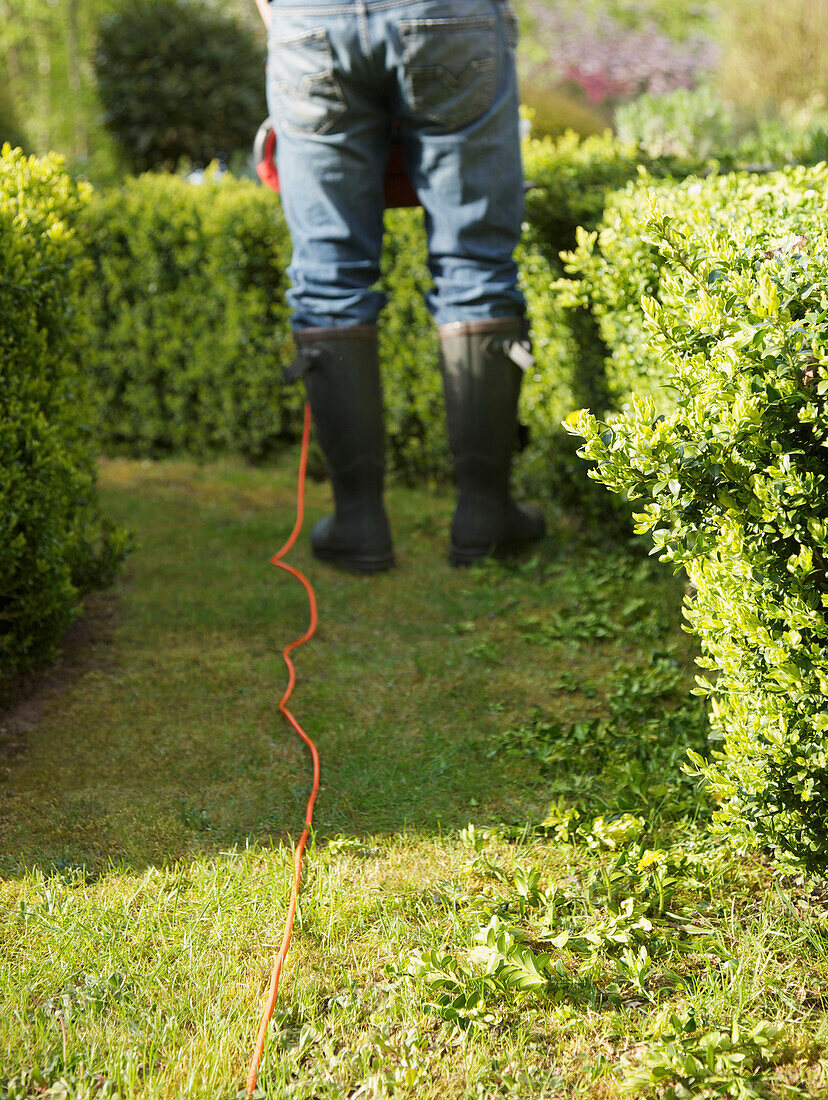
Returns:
<point x="481" y="366"/>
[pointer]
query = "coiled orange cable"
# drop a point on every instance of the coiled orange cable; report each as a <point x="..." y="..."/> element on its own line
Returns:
<point x="300" y="847"/>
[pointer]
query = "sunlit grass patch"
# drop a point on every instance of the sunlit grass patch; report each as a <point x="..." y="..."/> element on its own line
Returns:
<point x="510" y="892"/>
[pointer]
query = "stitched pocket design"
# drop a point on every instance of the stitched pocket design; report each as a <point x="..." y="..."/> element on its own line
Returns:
<point x="302" y="90"/>
<point x="450" y="69"/>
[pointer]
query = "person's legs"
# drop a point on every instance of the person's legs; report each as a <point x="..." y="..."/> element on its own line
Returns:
<point x="458" y="87"/>
<point x="460" y="125"/>
<point x="332" y="131"/>
<point x="332" y="140"/>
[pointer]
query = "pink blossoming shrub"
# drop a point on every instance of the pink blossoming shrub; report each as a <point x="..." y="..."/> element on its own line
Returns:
<point x="611" y="61"/>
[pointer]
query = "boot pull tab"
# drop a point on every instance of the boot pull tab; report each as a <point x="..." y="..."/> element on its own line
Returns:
<point x="304" y="361"/>
<point x="520" y="352"/>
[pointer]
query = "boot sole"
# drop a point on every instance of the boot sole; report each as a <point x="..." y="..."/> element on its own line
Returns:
<point x="468" y="556"/>
<point x="355" y="563"/>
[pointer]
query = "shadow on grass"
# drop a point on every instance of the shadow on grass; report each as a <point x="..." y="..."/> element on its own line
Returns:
<point x="165" y="740"/>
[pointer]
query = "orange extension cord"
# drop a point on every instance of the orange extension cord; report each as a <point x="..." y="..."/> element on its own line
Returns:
<point x="300" y="847"/>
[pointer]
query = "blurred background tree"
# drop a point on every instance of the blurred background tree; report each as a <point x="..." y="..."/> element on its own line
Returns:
<point x="45" y="76"/>
<point x="10" y="128"/>
<point x="49" y="99"/>
<point x="178" y="81"/>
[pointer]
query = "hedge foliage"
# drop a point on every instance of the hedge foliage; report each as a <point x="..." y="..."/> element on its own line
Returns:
<point x="699" y="126"/>
<point x="191" y="329"/>
<point x="53" y="544"/>
<point x="614" y="265"/>
<point x="699" y="308"/>
<point x="188" y="325"/>
<point x="733" y="477"/>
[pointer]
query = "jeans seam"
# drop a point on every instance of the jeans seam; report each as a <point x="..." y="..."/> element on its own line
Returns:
<point x="362" y="24"/>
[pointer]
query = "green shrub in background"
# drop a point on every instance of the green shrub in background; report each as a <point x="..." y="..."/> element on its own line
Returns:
<point x="774" y="51"/>
<point x="571" y="179"/>
<point x="555" y="110"/>
<point x="795" y="134"/>
<point x="733" y="482"/>
<point x="178" y="80"/>
<point x="191" y="330"/>
<point x="53" y="544"/>
<point x="412" y="388"/>
<point x="689" y="124"/>
<point x="10" y="128"/>
<point x="415" y="417"/>
<point x="700" y="127"/>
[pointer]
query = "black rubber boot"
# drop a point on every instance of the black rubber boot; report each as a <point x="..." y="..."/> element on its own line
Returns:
<point x="481" y="381"/>
<point x="341" y="372"/>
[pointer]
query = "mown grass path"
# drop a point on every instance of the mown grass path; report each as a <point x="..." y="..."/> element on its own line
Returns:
<point x="143" y="830"/>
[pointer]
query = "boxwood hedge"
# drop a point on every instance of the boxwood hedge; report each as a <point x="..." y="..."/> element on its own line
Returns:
<point x="171" y="299"/>
<point x="188" y="326"/>
<point x="699" y="308"/>
<point x="620" y="261"/>
<point x="53" y="544"/>
<point x="732" y="473"/>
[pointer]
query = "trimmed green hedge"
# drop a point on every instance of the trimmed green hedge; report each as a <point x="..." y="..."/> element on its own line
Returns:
<point x="188" y="329"/>
<point x="709" y="296"/>
<point x="733" y="480"/>
<point x="191" y="331"/>
<point x="571" y="179"/>
<point x="53" y="544"/>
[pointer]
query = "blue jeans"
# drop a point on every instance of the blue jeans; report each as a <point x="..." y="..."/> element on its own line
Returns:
<point x="340" y="75"/>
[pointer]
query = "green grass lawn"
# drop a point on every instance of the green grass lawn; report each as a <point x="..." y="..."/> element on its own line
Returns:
<point x="512" y="891"/>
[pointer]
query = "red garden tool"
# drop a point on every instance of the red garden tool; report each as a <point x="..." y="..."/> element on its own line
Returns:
<point x="399" y="191"/>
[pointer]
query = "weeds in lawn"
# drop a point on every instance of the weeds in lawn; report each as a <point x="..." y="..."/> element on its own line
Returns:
<point x="511" y="894"/>
<point x="631" y="759"/>
<point x="686" y="1061"/>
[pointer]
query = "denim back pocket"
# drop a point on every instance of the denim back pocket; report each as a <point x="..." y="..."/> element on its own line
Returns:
<point x="450" y="69"/>
<point x="303" y="93"/>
